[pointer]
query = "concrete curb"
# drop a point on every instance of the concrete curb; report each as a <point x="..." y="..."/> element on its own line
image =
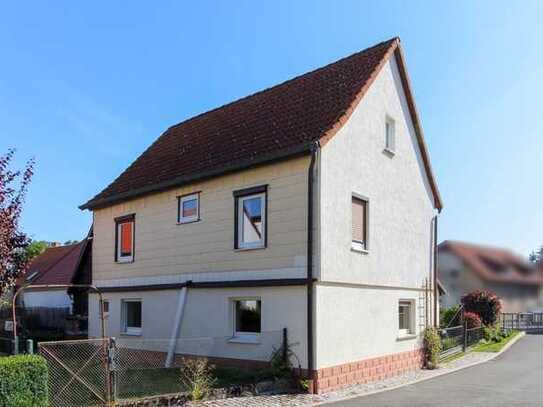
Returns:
<point x="494" y="356"/>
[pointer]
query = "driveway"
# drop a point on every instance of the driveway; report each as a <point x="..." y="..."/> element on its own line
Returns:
<point x="514" y="378"/>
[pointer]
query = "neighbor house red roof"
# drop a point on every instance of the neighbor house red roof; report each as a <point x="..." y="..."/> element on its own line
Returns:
<point x="56" y="265"/>
<point x="494" y="264"/>
<point x="276" y="123"/>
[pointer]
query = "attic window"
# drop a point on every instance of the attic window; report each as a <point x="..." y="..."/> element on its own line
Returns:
<point x="390" y="135"/>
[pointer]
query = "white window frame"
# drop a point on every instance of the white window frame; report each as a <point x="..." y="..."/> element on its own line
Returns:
<point x="241" y="336"/>
<point x="262" y="242"/>
<point x="183" y="199"/>
<point x="120" y="257"/>
<point x="390" y="135"/>
<point x="411" y="315"/>
<point x="125" y="329"/>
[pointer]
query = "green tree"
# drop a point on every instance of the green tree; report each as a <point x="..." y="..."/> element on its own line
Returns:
<point x="36" y="248"/>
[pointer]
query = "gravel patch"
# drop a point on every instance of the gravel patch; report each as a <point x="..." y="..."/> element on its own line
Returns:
<point x="303" y="400"/>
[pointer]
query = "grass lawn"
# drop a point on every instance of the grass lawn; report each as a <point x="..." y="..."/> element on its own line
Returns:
<point x="136" y="383"/>
<point x="497" y="346"/>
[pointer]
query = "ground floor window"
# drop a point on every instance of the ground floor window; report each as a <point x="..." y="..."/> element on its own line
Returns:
<point x="247" y="317"/>
<point x="131" y="317"/>
<point x="405" y="317"/>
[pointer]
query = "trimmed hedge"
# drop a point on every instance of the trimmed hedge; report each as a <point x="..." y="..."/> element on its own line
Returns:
<point x="23" y="381"/>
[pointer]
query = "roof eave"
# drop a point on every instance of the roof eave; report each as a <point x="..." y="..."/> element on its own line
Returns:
<point x="299" y="150"/>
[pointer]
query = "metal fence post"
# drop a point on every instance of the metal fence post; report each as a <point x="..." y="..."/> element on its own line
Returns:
<point x="30" y="346"/>
<point x="465" y="344"/>
<point x="111" y="372"/>
<point x="16" y="345"/>
<point x="285" y="345"/>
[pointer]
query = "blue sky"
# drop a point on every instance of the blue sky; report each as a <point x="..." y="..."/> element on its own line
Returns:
<point x="85" y="87"/>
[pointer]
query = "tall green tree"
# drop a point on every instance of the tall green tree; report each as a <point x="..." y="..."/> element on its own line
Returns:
<point x="13" y="242"/>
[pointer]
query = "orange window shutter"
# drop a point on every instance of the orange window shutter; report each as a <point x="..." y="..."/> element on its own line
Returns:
<point x="126" y="239"/>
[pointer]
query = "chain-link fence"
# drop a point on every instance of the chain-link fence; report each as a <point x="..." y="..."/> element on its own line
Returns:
<point x="96" y="372"/>
<point x="79" y="372"/>
<point x="144" y="368"/>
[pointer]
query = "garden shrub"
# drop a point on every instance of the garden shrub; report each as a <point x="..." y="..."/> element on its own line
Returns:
<point x="448" y="314"/>
<point x="484" y="303"/>
<point x="23" y="381"/>
<point x="432" y="346"/>
<point x="495" y="334"/>
<point x="197" y="376"/>
<point x="472" y="320"/>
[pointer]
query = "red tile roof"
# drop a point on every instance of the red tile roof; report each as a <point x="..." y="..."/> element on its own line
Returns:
<point x="276" y="123"/>
<point x="56" y="265"/>
<point x="494" y="264"/>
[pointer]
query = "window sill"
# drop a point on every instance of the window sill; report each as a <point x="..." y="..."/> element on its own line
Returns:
<point x="130" y="334"/>
<point x="406" y="337"/>
<point x="246" y="249"/>
<point x="389" y="152"/>
<point x="186" y="222"/>
<point x="244" y="340"/>
<point x="358" y="249"/>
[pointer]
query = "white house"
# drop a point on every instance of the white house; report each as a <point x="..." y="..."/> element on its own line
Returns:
<point x="309" y="206"/>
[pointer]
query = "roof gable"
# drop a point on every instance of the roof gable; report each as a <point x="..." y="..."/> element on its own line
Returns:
<point x="276" y="123"/>
<point x="56" y="265"/>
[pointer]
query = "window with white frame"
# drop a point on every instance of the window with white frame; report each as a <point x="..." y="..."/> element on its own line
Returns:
<point x="405" y="317"/>
<point x="131" y="321"/>
<point x="247" y="318"/>
<point x="359" y="223"/>
<point x="390" y="135"/>
<point x="188" y="208"/>
<point x="250" y="217"/>
<point x="124" y="239"/>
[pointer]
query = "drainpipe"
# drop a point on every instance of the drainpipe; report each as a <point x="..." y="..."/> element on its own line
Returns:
<point x="176" y="325"/>
<point x="310" y="310"/>
<point x="436" y="293"/>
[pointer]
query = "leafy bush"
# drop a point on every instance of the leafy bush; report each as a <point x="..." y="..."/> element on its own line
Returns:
<point x="432" y="346"/>
<point x="484" y="303"/>
<point x="448" y="314"/>
<point x="472" y="320"/>
<point x="197" y="376"/>
<point x="495" y="334"/>
<point x="23" y="381"/>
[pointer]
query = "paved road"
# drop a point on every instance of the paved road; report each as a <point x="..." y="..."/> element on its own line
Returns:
<point x="514" y="378"/>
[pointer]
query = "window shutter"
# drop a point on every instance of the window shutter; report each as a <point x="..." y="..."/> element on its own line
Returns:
<point x="359" y="221"/>
<point x="126" y="238"/>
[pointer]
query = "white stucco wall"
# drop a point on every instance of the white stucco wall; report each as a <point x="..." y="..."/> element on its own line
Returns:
<point x="208" y="321"/>
<point x="359" y="323"/>
<point x="357" y="301"/>
<point x="400" y="201"/>
<point x="51" y="299"/>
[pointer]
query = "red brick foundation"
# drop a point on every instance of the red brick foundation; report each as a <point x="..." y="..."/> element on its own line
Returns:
<point x="366" y="371"/>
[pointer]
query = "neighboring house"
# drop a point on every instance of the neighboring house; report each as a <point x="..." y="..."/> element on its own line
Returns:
<point x="464" y="267"/>
<point x="58" y="265"/>
<point x="310" y="205"/>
